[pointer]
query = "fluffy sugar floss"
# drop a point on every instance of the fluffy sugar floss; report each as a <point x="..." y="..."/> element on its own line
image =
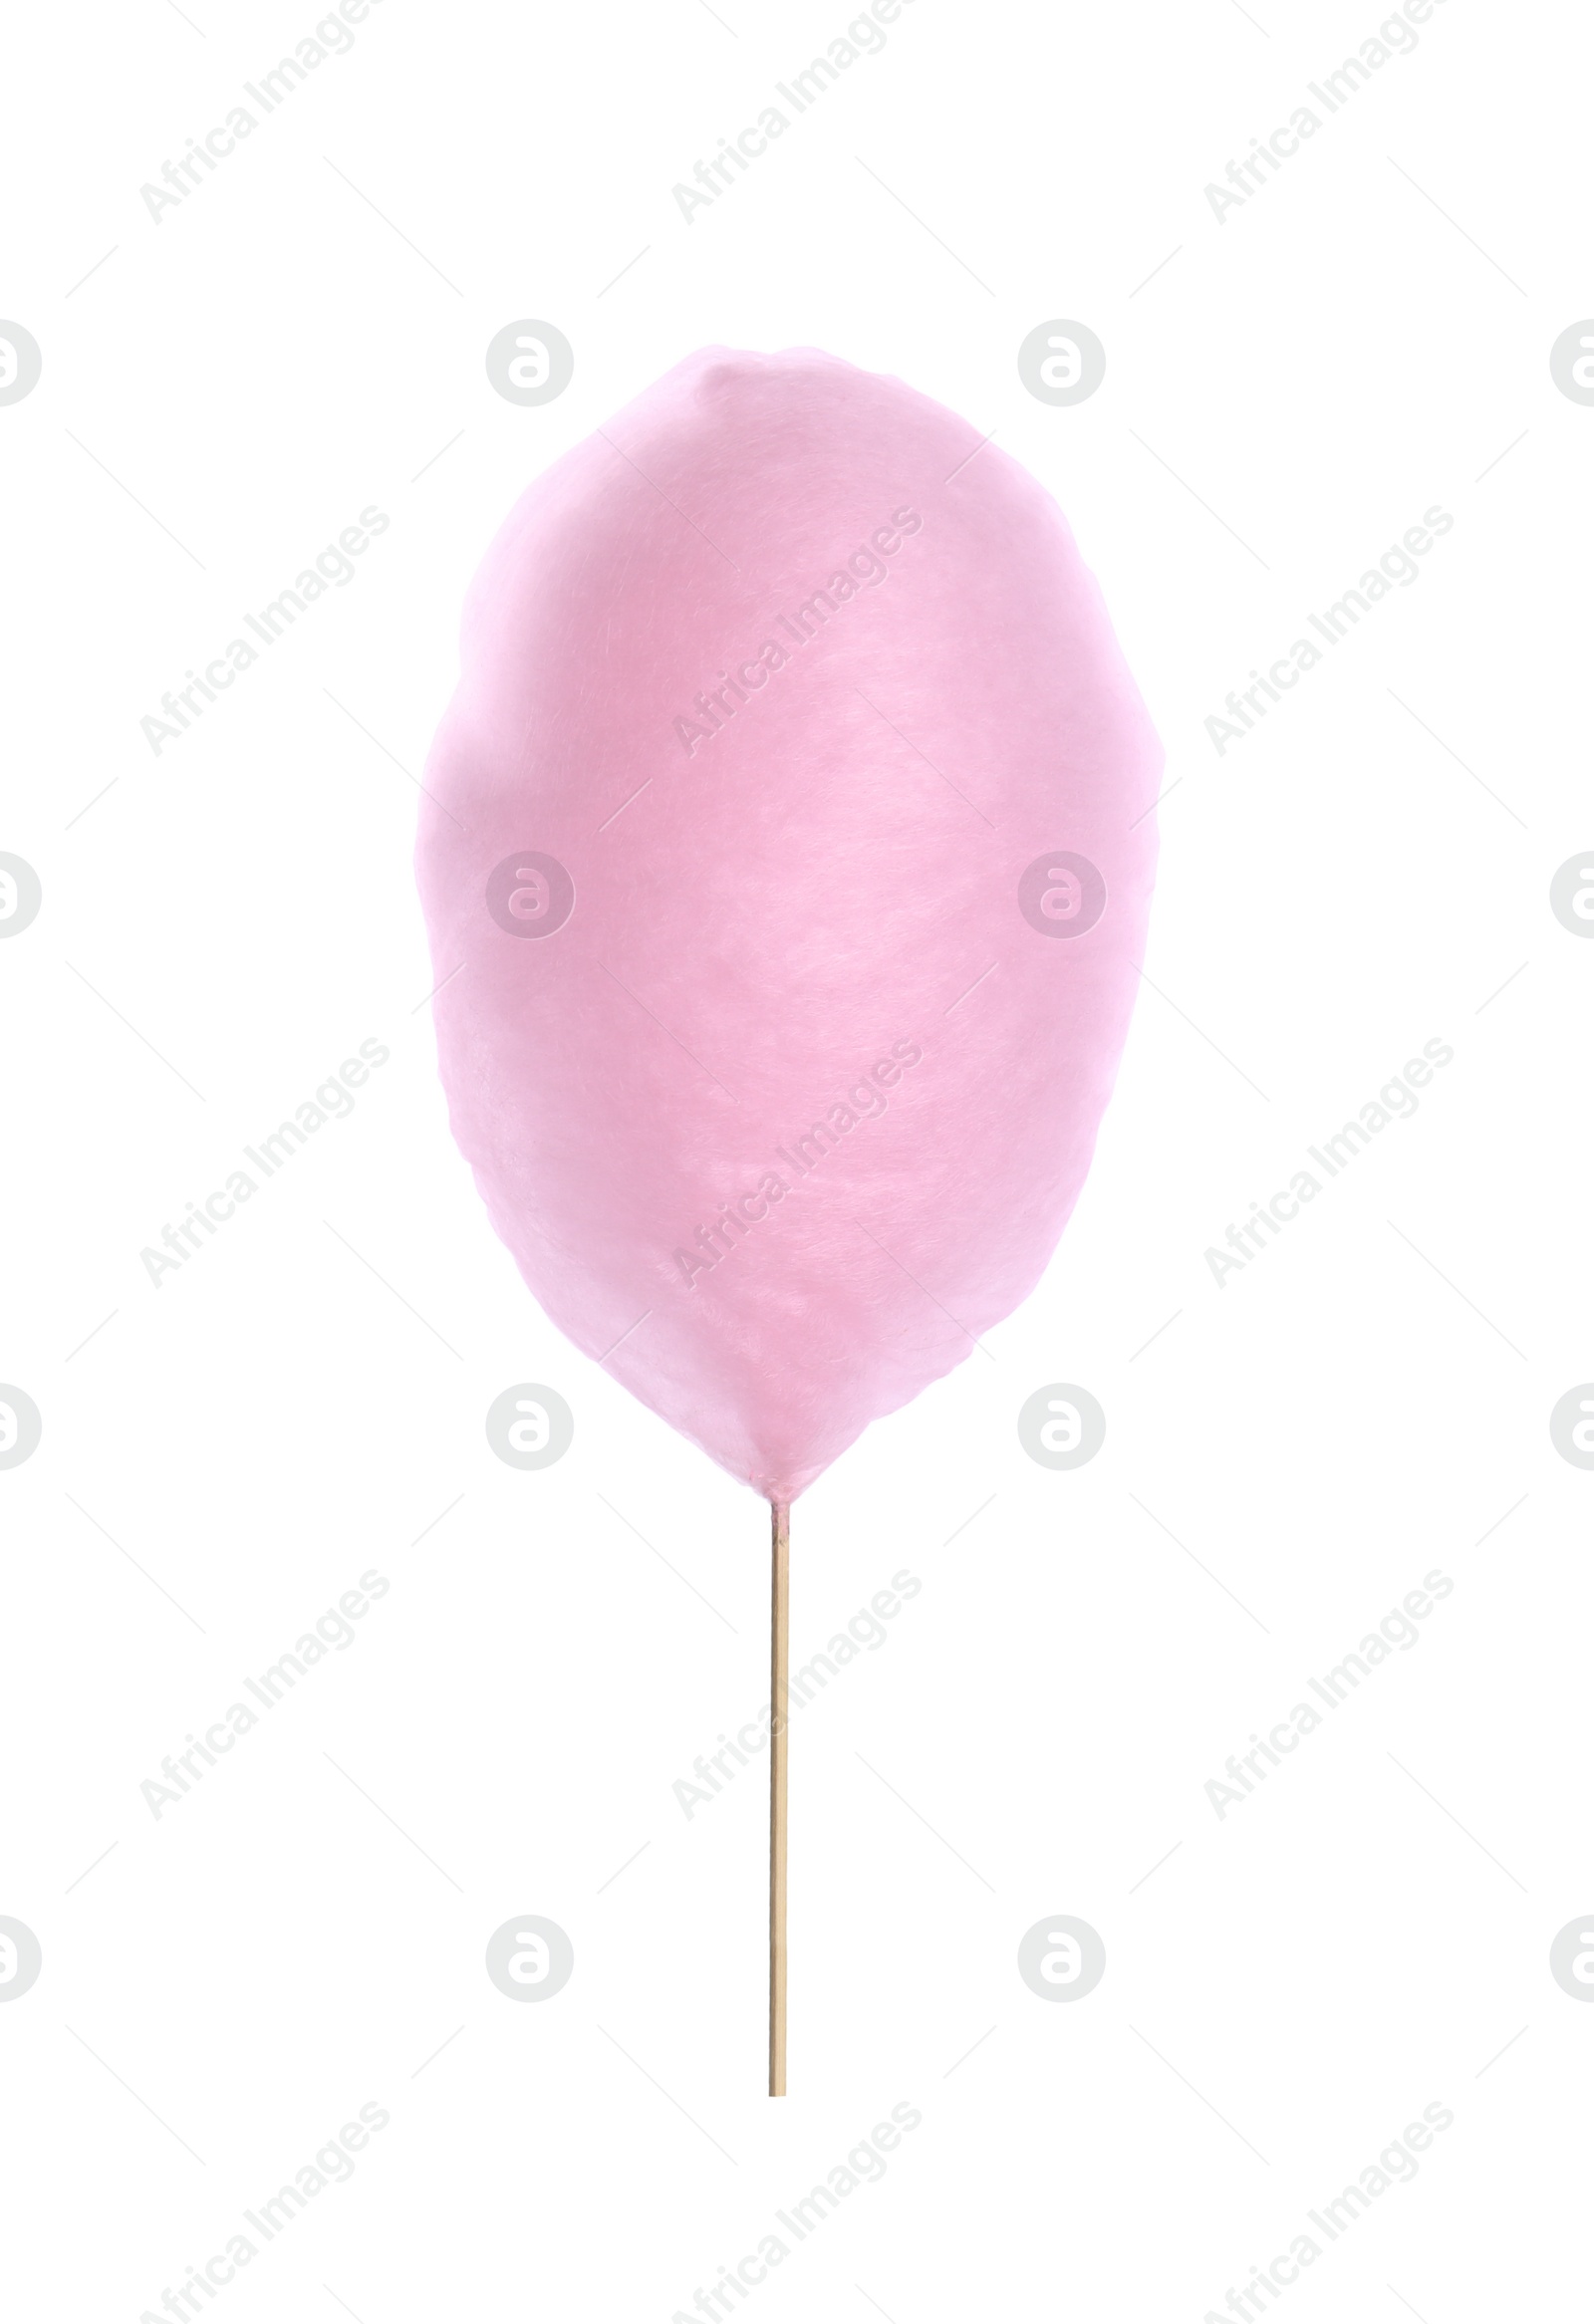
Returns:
<point x="786" y="855"/>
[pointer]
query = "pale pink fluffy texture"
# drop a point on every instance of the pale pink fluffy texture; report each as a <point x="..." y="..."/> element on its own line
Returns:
<point x="767" y="910"/>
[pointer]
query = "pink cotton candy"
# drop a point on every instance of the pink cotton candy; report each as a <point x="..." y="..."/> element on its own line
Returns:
<point x="786" y="859"/>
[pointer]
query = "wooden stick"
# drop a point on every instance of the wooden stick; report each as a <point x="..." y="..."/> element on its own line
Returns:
<point x="779" y="1608"/>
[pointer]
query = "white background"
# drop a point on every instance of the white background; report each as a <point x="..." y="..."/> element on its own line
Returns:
<point x="1366" y="338"/>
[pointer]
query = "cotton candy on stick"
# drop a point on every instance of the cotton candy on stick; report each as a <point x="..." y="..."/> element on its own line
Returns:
<point x="786" y="855"/>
